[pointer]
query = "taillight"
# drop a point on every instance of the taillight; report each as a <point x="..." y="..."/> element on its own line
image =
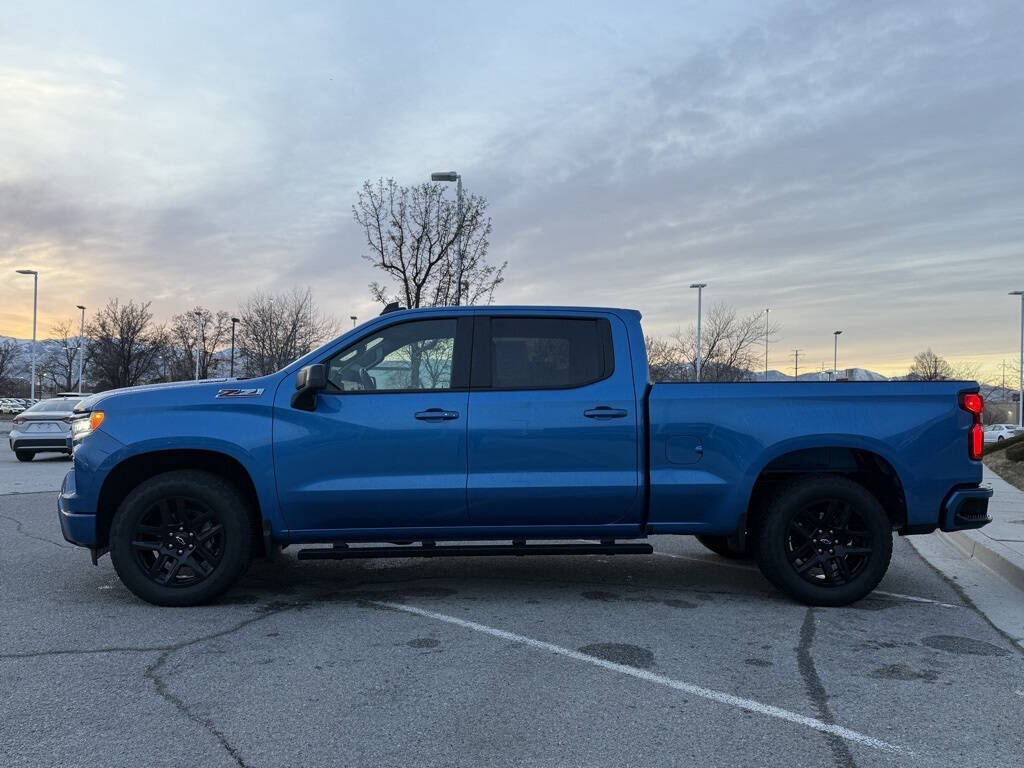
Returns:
<point x="974" y="404"/>
<point x="19" y="420"/>
<point x="976" y="442"/>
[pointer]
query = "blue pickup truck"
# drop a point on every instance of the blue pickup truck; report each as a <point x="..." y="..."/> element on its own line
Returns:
<point x="514" y="431"/>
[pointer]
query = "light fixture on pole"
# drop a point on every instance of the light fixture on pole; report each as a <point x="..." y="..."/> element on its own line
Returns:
<point x="353" y="319"/>
<point x="234" y="321"/>
<point x="199" y="339"/>
<point x="456" y="177"/>
<point x="766" y="311"/>
<point x="835" y="355"/>
<point x="81" y="352"/>
<point x="700" y="289"/>
<point x="35" y="307"/>
<point x="1020" y="373"/>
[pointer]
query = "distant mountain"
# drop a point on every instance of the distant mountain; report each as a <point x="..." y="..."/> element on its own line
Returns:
<point x="853" y="374"/>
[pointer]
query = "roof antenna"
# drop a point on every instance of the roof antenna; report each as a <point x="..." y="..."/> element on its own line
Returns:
<point x="394" y="306"/>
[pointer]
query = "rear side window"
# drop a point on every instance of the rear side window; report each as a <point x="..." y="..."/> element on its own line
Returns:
<point x="548" y="353"/>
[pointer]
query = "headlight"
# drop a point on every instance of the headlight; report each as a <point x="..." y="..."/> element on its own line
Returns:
<point x="84" y="425"/>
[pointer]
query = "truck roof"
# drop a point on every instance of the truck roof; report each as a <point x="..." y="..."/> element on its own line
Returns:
<point x="540" y="308"/>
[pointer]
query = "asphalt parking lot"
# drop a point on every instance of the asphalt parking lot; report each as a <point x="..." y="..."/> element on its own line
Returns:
<point x="676" y="659"/>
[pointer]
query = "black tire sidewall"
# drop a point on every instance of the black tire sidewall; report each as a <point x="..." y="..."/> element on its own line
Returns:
<point x="221" y="497"/>
<point x="770" y="547"/>
<point x="24" y="455"/>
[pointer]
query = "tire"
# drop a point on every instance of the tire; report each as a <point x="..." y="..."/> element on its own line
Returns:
<point x="181" y="538"/>
<point x="806" y="551"/>
<point x="720" y="546"/>
<point x="24" y="455"/>
<point x="1000" y="439"/>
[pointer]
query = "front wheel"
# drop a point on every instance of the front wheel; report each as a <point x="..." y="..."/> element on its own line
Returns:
<point x="181" y="538"/>
<point x="825" y="541"/>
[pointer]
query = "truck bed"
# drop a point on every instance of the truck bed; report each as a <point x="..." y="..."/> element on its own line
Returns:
<point x="709" y="444"/>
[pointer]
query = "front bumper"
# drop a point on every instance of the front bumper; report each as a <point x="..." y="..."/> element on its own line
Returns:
<point x="965" y="508"/>
<point x="78" y="527"/>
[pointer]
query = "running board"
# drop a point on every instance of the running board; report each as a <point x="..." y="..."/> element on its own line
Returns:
<point x="519" y="549"/>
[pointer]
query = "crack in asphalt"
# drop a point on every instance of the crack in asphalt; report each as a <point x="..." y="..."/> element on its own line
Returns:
<point x="816" y="691"/>
<point x="19" y="528"/>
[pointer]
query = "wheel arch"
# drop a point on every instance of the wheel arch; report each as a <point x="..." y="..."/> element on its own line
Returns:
<point x="868" y="467"/>
<point x="135" y="470"/>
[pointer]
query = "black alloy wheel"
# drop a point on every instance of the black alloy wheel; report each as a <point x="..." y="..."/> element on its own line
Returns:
<point x="824" y="540"/>
<point x="178" y="541"/>
<point x="182" y="538"/>
<point x="828" y="543"/>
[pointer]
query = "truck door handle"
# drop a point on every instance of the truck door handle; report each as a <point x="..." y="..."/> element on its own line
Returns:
<point x="604" y="412"/>
<point x="436" y="414"/>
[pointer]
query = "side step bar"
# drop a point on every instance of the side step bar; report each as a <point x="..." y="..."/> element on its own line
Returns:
<point x="429" y="549"/>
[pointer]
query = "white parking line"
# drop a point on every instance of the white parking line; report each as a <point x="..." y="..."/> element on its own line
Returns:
<point x="694" y="690"/>
<point x="709" y="561"/>
<point x="751" y="568"/>
<point x="915" y="599"/>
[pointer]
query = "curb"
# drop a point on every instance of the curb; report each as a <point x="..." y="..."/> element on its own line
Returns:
<point x="989" y="552"/>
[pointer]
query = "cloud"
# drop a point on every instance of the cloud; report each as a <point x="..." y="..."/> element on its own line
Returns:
<point x="847" y="164"/>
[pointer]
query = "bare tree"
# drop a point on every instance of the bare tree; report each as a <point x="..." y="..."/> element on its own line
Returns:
<point x="930" y="367"/>
<point x="181" y="356"/>
<point x="730" y="348"/>
<point x="412" y="235"/>
<point x="276" y="329"/>
<point x="124" y="346"/>
<point x="60" y="358"/>
<point x="9" y="360"/>
<point x="665" y="360"/>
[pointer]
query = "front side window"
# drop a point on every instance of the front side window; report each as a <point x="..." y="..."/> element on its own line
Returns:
<point x="410" y="356"/>
<point x="534" y="353"/>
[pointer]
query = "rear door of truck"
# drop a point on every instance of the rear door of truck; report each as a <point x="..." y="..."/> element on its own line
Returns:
<point x="553" y="425"/>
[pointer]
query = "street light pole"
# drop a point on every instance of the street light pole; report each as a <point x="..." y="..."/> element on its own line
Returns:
<point x="835" y="355"/>
<point x="766" y="311"/>
<point x="199" y="340"/>
<point x="700" y="289"/>
<point x="234" y="322"/>
<point x="81" y="352"/>
<point x="1020" y="373"/>
<point x="796" y="365"/>
<point x="35" y="307"/>
<point x="456" y="177"/>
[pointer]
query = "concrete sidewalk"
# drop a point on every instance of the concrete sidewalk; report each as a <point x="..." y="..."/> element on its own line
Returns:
<point x="1000" y="544"/>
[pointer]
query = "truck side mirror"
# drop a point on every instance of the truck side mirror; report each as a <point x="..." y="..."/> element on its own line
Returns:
<point x="309" y="381"/>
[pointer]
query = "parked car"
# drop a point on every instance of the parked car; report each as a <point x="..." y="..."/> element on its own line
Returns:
<point x="43" y="428"/>
<point x="11" y="405"/>
<point x="514" y="424"/>
<point x="996" y="433"/>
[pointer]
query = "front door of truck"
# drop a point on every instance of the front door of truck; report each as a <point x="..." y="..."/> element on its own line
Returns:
<point x="553" y="423"/>
<point x="386" y="445"/>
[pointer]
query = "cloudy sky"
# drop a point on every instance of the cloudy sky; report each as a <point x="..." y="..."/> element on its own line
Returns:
<point x="854" y="165"/>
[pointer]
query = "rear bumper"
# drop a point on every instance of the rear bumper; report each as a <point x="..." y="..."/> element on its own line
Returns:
<point x="26" y="441"/>
<point x="77" y="526"/>
<point x="965" y="508"/>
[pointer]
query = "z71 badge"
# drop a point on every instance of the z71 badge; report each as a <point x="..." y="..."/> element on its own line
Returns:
<point x="240" y="392"/>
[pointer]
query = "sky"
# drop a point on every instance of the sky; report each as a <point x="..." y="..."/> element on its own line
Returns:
<point x="854" y="166"/>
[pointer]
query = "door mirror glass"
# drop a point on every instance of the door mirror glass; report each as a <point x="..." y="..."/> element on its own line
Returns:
<point x="309" y="381"/>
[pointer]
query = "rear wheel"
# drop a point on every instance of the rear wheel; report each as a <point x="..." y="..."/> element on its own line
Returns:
<point x="24" y="455"/>
<point x="181" y="538"/>
<point x="720" y="545"/>
<point x="825" y="541"/>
